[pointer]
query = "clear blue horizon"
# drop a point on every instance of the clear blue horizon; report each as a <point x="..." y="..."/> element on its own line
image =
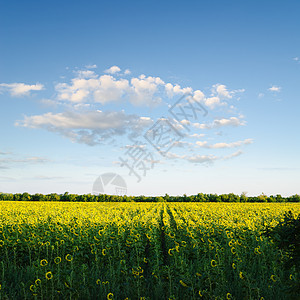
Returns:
<point x="81" y="84"/>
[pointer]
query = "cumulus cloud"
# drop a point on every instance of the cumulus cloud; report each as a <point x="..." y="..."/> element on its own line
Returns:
<point x="87" y="89"/>
<point x="232" y="121"/>
<point x="173" y="90"/>
<point x="143" y="90"/>
<point x="275" y="88"/>
<point x="113" y="70"/>
<point x="87" y="86"/>
<point x="20" y="89"/>
<point x="204" y="144"/>
<point x="102" y="90"/>
<point x="89" y="127"/>
<point x="218" y="97"/>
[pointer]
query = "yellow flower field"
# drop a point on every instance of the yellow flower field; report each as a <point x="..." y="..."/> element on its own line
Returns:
<point x="57" y="250"/>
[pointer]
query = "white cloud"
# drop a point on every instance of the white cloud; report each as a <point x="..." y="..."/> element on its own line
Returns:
<point x="173" y="90"/>
<point x="212" y="102"/>
<point x="232" y="121"/>
<point x="185" y="122"/>
<point x="296" y="58"/>
<point x="86" y="74"/>
<point x="91" y="66"/>
<point x="221" y="91"/>
<point x="113" y="70"/>
<point x="140" y="91"/>
<point x="235" y="154"/>
<point x="20" y="89"/>
<point x="202" y="158"/>
<point x="224" y="145"/>
<point x="102" y="90"/>
<point x="181" y="144"/>
<point x="172" y="155"/>
<point x="196" y="135"/>
<point x="275" y="88"/>
<point x="14" y="160"/>
<point x="218" y="97"/>
<point x="198" y="96"/>
<point x="89" y="127"/>
<point x="110" y="89"/>
<point x="143" y="90"/>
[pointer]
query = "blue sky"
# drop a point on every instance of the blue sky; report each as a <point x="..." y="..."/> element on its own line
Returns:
<point x="81" y="83"/>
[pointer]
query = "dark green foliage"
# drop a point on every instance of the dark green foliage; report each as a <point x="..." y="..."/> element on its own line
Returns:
<point x="66" y="197"/>
<point x="286" y="236"/>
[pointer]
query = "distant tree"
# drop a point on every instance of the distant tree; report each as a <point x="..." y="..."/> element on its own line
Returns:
<point x="294" y="198"/>
<point x="262" y="198"/>
<point x="167" y="197"/>
<point x="17" y="197"/>
<point x="243" y="197"/>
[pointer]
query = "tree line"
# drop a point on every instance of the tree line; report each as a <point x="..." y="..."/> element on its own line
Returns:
<point x="200" y="197"/>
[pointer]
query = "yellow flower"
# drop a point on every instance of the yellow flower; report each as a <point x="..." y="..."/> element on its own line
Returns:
<point x="38" y="281"/>
<point x="69" y="257"/>
<point x="43" y="262"/>
<point x="98" y="281"/>
<point x="200" y="294"/>
<point x="145" y="260"/>
<point x="213" y="263"/>
<point x="49" y="275"/>
<point x="57" y="260"/>
<point x="228" y="296"/>
<point x="291" y="277"/>
<point x="32" y="288"/>
<point x="256" y="250"/>
<point x="273" y="277"/>
<point x="170" y="252"/>
<point x="110" y="296"/>
<point x="241" y="275"/>
<point x="233" y="266"/>
<point x="233" y="250"/>
<point x="104" y="252"/>
<point x="183" y="284"/>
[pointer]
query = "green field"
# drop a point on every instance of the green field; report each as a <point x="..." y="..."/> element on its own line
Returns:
<point x="54" y="250"/>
